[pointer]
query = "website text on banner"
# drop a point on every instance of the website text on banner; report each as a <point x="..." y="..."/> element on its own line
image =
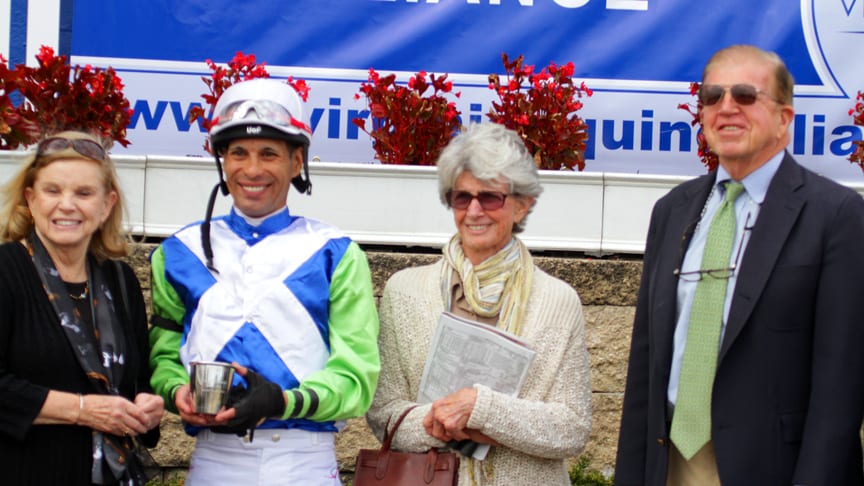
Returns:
<point x="639" y="56"/>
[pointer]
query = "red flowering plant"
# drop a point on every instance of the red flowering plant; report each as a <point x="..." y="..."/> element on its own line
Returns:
<point x="15" y="130"/>
<point x="857" y="114"/>
<point x="241" y="67"/>
<point x="709" y="159"/>
<point x="61" y="97"/>
<point x="543" y="112"/>
<point x="410" y="124"/>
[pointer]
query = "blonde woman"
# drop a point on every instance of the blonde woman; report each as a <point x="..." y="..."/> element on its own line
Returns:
<point x="73" y="343"/>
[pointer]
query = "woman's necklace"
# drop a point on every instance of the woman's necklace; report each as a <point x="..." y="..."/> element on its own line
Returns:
<point x="73" y="290"/>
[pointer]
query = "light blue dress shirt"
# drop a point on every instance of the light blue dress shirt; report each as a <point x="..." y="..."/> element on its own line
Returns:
<point x="746" y="211"/>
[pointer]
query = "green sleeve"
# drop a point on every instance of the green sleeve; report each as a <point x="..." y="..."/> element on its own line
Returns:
<point x="168" y="372"/>
<point x="346" y="385"/>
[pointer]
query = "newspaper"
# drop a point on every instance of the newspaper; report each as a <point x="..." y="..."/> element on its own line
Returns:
<point x="464" y="353"/>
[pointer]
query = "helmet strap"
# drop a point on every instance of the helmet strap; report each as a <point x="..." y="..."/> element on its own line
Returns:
<point x="222" y="184"/>
<point x="303" y="185"/>
<point x="205" y="228"/>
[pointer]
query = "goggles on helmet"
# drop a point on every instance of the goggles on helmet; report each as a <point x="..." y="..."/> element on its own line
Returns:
<point x="263" y="111"/>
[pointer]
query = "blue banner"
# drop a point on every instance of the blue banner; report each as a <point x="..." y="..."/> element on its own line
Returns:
<point x="667" y="40"/>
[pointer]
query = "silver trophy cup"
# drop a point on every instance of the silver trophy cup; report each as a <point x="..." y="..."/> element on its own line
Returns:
<point x="211" y="382"/>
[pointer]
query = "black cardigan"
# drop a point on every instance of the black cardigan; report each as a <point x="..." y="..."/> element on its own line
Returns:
<point x="35" y="357"/>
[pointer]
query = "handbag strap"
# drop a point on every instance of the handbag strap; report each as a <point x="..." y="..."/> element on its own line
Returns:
<point x="389" y="434"/>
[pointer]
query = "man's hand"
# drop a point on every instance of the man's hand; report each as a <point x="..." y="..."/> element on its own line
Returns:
<point x="261" y="400"/>
<point x="186" y="408"/>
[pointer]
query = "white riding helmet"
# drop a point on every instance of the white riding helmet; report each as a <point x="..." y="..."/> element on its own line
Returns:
<point x="267" y="103"/>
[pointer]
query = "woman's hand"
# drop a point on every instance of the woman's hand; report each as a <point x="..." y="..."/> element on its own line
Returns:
<point x="448" y="417"/>
<point x="153" y="406"/>
<point x="113" y="415"/>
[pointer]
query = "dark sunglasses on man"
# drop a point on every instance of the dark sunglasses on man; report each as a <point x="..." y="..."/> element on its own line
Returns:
<point x="743" y="94"/>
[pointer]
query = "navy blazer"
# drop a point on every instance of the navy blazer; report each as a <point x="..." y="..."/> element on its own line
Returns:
<point x="788" y="394"/>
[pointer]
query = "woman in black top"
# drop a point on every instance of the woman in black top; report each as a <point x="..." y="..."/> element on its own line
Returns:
<point x="74" y="380"/>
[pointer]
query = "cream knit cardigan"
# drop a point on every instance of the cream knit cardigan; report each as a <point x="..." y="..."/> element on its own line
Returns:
<point x="549" y="421"/>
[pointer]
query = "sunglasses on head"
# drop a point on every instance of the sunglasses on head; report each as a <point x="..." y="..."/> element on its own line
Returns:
<point x="489" y="200"/>
<point x="87" y="148"/>
<point x="743" y="94"/>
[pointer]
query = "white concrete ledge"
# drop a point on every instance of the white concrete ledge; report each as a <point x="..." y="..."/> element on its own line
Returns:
<point x="596" y="213"/>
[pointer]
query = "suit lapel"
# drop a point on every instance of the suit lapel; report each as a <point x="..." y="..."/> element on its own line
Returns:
<point x="683" y="215"/>
<point x="780" y="210"/>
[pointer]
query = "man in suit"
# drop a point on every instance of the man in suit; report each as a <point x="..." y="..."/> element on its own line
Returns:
<point x="785" y="390"/>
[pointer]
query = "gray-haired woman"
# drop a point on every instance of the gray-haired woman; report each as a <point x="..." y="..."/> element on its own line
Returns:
<point x="487" y="177"/>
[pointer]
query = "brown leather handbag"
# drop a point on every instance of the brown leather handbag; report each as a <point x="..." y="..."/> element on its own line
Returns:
<point x="385" y="467"/>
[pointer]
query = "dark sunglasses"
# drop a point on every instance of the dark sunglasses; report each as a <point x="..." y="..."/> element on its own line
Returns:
<point x="489" y="200"/>
<point x="743" y="94"/>
<point x="87" y="148"/>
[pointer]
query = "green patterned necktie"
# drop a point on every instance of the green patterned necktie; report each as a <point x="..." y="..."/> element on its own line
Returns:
<point x="691" y="422"/>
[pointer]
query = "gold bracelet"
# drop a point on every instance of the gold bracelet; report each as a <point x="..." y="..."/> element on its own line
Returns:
<point x="80" y="407"/>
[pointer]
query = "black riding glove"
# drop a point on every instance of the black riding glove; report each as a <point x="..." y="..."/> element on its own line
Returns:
<point x="260" y="400"/>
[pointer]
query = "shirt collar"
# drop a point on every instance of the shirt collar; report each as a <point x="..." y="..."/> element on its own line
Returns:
<point x="270" y="224"/>
<point x="756" y="183"/>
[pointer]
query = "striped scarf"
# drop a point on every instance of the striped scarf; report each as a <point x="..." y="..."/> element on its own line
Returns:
<point x="500" y="285"/>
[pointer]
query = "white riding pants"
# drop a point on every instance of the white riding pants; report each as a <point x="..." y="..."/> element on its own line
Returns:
<point x="274" y="457"/>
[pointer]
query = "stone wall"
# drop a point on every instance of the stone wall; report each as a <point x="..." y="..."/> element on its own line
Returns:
<point x="608" y="290"/>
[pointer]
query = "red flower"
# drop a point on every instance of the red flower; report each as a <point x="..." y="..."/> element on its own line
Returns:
<point x="45" y="54"/>
<point x="300" y="87"/>
<point x="694" y="89"/>
<point x="709" y="159"/>
<point x="544" y="113"/>
<point x="60" y="97"/>
<point x="378" y="110"/>
<point x="857" y="113"/>
<point x="408" y="127"/>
